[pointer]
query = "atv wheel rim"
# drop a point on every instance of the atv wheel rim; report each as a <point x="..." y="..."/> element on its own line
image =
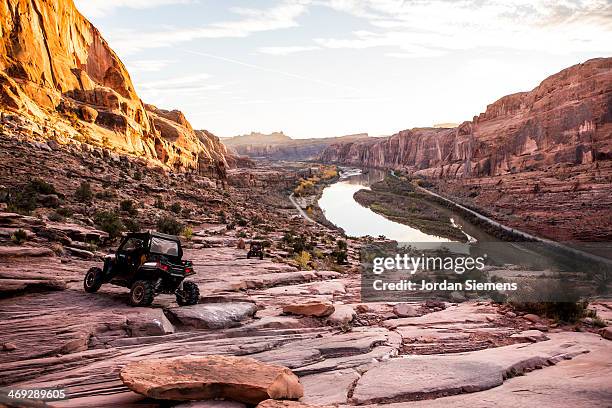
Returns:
<point x="138" y="294"/>
<point x="89" y="279"/>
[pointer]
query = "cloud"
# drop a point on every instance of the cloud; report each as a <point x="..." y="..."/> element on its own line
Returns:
<point x="286" y="50"/>
<point x="284" y="15"/>
<point x="148" y="65"/>
<point x="435" y="27"/>
<point x="100" y="8"/>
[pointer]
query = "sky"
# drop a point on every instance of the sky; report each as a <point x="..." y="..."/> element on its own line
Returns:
<point x="321" y="68"/>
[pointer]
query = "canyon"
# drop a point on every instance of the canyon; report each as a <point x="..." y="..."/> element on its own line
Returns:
<point x="84" y="161"/>
<point x="278" y="146"/>
<point x="540" y="161"/>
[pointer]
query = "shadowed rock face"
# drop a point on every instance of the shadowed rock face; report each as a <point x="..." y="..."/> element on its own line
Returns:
<point x="58" y="71"/>
<point x="566" y="119"/>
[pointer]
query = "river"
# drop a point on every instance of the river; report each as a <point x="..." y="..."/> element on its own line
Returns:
<point x="341" y="209"/>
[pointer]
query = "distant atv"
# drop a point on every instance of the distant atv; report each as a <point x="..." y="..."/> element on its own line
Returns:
<point x="255" y="250"/>
<point x="149" y="263"/>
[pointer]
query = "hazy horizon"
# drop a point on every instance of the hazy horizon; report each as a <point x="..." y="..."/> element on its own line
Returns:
<point x="314" y="68"/>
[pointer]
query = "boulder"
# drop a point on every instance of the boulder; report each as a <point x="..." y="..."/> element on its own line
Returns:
<point x="343" y="314"/>
<point x="314" y="308"/>
<point x="88" y="114"/>
<point x="213" y="315"/>
<point x="606" y="333"/>
<point x="532" y="318"/>
<point x="241" y="379"/>
<point x="149" y="322"/>
<point x="405" y="310"/>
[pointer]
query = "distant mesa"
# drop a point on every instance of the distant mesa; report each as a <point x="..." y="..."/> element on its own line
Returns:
<point x="279" y="146"/>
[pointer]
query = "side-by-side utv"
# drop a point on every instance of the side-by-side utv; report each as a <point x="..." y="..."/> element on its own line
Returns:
<point x="149" y="263"/>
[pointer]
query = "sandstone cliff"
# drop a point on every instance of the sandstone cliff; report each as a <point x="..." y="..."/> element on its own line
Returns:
<point x="566" y="119"/>
<point x="278" y="146"/>
<point x="57" y="71"/>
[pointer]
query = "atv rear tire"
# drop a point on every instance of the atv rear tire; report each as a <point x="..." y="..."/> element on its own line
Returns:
<point x="142" y="293"/>
<point x="93" y="280"/>
<point x="190" y="294"/>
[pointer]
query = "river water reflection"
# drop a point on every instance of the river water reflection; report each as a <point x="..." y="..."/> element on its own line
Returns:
<point x="342" y="210"/>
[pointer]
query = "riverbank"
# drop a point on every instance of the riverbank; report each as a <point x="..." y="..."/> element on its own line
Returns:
<point x="398" y="201"/>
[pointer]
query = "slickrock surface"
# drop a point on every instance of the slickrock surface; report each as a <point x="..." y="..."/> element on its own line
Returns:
<point x="199" y="378"/>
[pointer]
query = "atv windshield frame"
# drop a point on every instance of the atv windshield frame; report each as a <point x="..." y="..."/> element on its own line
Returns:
<point x="166" y="247"/>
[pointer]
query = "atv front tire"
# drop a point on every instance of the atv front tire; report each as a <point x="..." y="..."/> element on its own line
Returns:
<point x="93" y="280"/>
<point x="190" y="295"/>
<point x="142" y="293"/>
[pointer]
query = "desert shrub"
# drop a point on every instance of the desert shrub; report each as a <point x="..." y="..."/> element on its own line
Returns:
<point x="340" y="253"/>
<point x="126" y="205"/>
<point x="188" y="233"/>
<point x="64" y="212"/>
<point x="109" y="221"/>
<point x="137" y="175"/>
<point x="175" y="208"/>
<point x="555" y="299"/>
<point x="186" y="212"/>
<point x="302" y="259"/>
<point x="83" y="193"/>
<point x="241" y="234"/>
<point x="106" y="195"/>
<point x="23" y="202"/>
<point x="159" y="203"/>
<point x="241" y="222"/>
<point x="169" y="225"/>
<point x="19" y="237"/>
<point x="131" y="224"/>
<point x="41" y="186"/>
<point x="56" y="217"/>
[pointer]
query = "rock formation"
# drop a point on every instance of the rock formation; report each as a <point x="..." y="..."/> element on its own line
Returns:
<point x="242" y="379"/>
<point x="278" y="146"/>
<point x="58" y="72"/>
<point x="566" y="119"/>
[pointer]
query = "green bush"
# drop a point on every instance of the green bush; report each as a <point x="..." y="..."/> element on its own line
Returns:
<point x="169" y="225"/>
<point x="41" y="186"/>
<point x="56" y="217"/>
<point x="109" y="221"/>
<point x="23" y="202"/>
<point x="159" y="203"/>
<point x="83" y="193"/>
<point x="137" y="175"/>
<point x="176" y="208"/>
<point x="132" y="224"/>
<point x="188" y="233"/>
<point x="19" y="237"/>
<point x="126" y="205"/>
<point x="64" y="212"/>
<point x="106" y="195"/>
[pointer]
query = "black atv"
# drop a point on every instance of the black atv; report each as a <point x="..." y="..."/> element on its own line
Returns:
<point x="149" y="263"/>
<point x="255" y="250"/>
